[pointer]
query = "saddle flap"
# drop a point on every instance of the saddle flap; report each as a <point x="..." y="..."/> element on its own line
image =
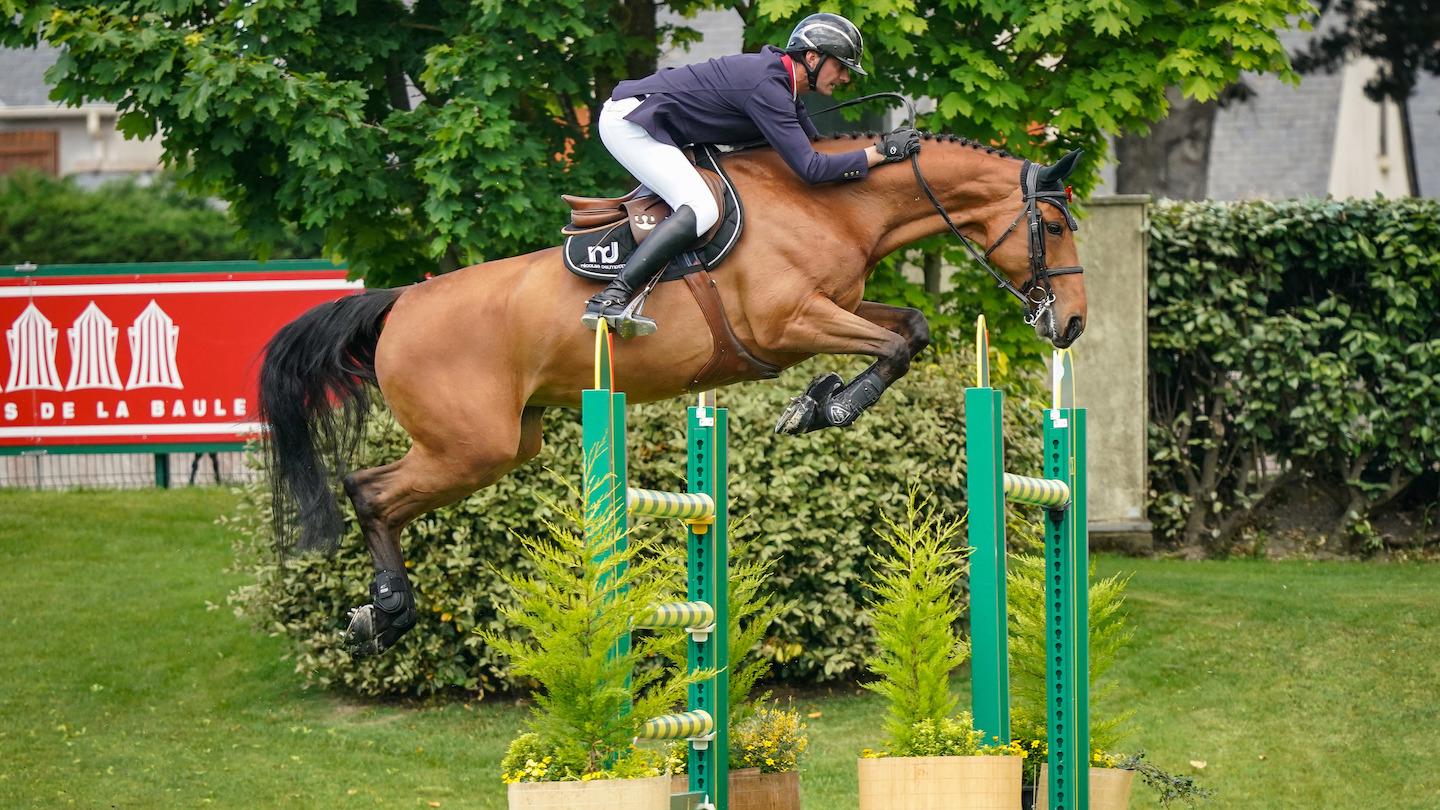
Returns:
<point x="646" y="212"/>
<point x="597" y="252"/>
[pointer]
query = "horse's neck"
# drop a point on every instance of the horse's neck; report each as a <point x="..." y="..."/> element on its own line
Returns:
<point x="975" y="187"/>
<point x="888" y="209"/>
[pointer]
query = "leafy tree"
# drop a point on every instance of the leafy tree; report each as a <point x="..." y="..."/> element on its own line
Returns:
<point x="426" y="135"/>
<point x="1039" y="79"/>
<point x="413" y="136"/>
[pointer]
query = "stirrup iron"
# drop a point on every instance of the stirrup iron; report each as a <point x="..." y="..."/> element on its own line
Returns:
<point x="630" y="322"/>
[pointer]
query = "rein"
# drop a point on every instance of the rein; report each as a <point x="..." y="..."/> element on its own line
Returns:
<point x="1036" y="305"/>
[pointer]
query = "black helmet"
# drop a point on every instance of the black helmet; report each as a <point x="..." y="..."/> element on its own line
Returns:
<point x="829" y="35"/>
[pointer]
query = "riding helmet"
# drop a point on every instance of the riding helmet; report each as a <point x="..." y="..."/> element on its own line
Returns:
<point x="829" y="34"/>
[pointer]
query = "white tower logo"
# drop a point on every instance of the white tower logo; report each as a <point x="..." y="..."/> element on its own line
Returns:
<point x="32" y="352"/>
<point x="153" y="340"/>
<point x="92" y="351"/>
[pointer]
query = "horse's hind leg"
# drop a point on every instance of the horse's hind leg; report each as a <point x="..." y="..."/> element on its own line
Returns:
<point x="894" y="335"/>
<point x="387" y="498"/>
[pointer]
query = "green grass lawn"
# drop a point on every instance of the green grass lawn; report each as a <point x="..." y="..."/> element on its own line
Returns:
<point x="126" y="681"/>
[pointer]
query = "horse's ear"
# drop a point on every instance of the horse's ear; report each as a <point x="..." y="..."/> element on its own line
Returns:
<point x="1053" y="174"/>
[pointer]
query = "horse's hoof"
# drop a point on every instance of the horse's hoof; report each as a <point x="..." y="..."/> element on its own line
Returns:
<point x="804" y="413"/>
<point x="362" y="637"/>
<point x="373" y="631"/>
<point x="798" y="416"/>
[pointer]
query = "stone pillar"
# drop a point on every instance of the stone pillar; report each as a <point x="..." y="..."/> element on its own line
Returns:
<point x="1111" y="375"/>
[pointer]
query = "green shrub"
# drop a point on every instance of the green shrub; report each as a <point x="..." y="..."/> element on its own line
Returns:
<point x="915" y="611"/>
<point x="808" y="506"/>
<point x="1109" y="632"/>
<point x="1290" y="342"/>
<point x="49" y="221"/>
<point x="584" y="592"/>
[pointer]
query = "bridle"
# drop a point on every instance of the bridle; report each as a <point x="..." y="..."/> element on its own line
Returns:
<point x="1036" y="294"/>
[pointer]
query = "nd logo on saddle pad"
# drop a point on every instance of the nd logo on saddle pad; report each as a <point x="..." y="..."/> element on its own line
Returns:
<point x="603" y="231"/>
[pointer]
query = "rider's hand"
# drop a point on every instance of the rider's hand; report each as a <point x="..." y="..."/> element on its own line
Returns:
<point x="898" y="145"/>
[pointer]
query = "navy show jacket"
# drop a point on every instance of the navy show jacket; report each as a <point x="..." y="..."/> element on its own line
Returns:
<point x="737" y="99"/>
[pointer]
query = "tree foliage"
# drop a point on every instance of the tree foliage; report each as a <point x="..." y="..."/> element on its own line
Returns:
<point x="915" y="611"/>
<point x="413" y="136"/>
<point x="1402" y="36"/>
<point x="588" y="588"/>
<point x="1040" y="79"/>
<point x="428" y="135"/>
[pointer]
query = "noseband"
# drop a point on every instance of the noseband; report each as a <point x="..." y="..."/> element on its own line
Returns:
<point x="1036" y="295"/>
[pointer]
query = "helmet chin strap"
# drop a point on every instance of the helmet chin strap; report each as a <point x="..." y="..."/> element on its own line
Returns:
<point x="813" y="76"/>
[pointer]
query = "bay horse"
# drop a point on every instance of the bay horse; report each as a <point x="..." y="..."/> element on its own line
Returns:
<point x="468" y="361"/>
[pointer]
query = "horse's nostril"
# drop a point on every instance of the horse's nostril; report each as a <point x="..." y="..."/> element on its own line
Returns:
<point x="1077" y="325"/>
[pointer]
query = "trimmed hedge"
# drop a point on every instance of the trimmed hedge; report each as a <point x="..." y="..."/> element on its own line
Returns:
<point x="49" y="221"/>
<point x="1292" y="343"/>
<point x="810" y="505"/>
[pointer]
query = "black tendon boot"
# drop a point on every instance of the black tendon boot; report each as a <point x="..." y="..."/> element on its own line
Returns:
<point x="669" y="238"/>
<point x="376" y="627"/>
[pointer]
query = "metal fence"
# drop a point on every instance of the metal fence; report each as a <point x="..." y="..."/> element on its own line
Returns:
<point x="42" y="470"/>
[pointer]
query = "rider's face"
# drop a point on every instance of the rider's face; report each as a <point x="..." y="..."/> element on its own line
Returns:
<point x="831" y="76"/>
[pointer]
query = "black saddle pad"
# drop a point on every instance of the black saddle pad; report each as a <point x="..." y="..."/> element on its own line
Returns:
<point x="600" y="253"/>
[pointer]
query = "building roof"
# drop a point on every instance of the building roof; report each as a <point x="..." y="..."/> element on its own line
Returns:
<point x="22" y="77"/>
<point x="1278" y="143"/>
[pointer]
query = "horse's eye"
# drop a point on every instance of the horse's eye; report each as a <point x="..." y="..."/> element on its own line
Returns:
<point x="1054" y="228"/>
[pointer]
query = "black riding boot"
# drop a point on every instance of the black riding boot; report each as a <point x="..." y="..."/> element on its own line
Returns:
<point x="669" y="238"/>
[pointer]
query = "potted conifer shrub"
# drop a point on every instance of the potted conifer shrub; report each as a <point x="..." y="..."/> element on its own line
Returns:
<point x="931" y="757"/>
<point x="578" y="749"/>
<point x="766" y="742"/>
<point x="1110" y="786"/>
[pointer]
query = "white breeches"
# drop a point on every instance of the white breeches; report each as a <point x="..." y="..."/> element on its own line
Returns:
<point x="660" y="167"/>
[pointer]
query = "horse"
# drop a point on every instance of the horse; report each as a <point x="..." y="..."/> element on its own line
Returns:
<point x="468" y="361"/>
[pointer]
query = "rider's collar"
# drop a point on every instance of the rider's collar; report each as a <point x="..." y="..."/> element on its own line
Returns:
<point x="790" y="71"/>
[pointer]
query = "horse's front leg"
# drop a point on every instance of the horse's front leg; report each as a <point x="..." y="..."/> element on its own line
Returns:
<point x="894" y="335"/>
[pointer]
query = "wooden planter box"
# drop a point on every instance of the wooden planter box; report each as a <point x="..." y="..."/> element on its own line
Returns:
<point x="752" y="790"/>
<point x="602" y="794"/>
<point x="1109" y="788"/>
<point x="940" y="783"/>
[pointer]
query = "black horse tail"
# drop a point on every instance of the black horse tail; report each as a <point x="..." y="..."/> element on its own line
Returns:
<point x="315" y="388"/>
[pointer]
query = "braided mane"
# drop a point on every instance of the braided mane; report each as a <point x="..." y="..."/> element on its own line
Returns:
<point x="924" y="136"/>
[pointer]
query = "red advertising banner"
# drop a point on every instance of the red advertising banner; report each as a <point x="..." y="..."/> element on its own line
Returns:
<point x="156" y="354"/>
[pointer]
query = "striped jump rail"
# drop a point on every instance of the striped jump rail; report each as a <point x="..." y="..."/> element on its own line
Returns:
<point x="697" y="618"/>
<point x="679" y="614"/>
<point x="1046" y="492"/>
<point x="685" y="725"/>
<point x="695" y="508"/>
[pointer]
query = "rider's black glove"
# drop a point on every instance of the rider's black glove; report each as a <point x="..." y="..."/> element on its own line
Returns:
<point x="898" y="145"/>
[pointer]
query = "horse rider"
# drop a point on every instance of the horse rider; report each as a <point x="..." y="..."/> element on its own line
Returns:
<point x="732" y="99"/>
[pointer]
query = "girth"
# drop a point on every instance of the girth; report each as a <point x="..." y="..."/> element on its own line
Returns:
<point x="730" y="361"/>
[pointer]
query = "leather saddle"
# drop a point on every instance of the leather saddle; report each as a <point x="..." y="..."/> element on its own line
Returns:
<point x="643" y="211"/>
<point x="604" y="230"/>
